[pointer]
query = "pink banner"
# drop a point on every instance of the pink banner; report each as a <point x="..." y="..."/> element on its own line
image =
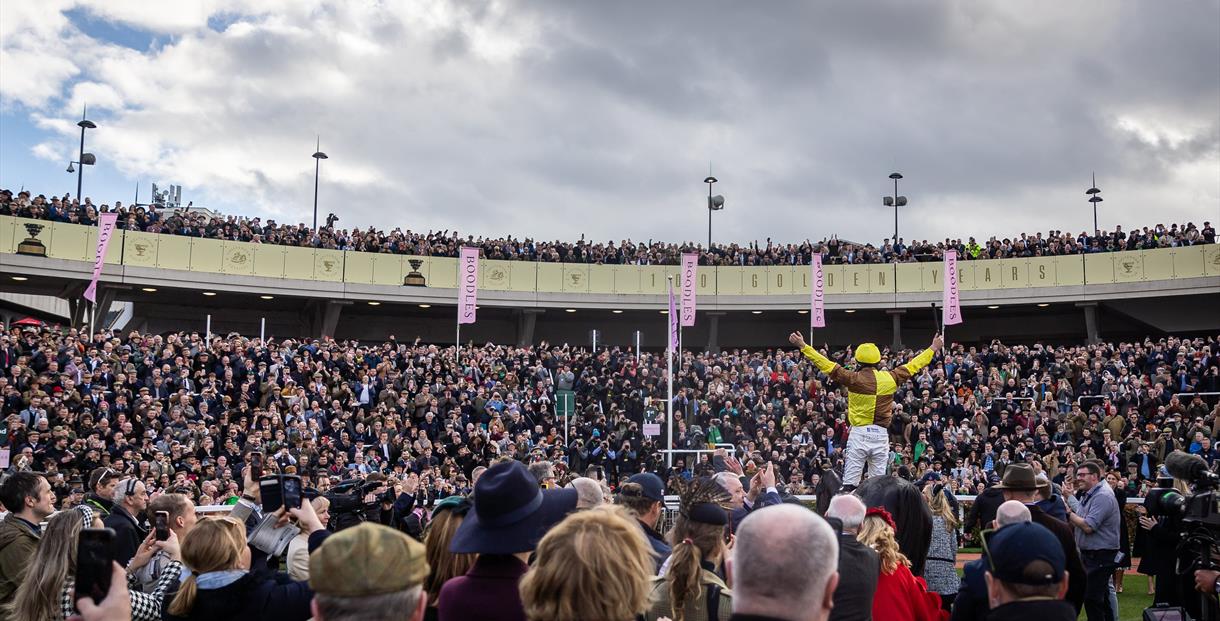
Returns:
<point x="690" y="263"/>
<point x="105" y="230"/>
<point x="953" y="308"/>
<point x="468" y="284"/>
<point x="673" y="319"/>
<point x="817" y="301"/>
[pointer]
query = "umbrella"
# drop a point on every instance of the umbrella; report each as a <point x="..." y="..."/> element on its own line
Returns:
<point x="29" y="321"/>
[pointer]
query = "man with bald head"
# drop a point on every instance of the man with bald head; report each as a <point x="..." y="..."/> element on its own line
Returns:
<point x="971" y="603"/>
<point x="784" y="562"/>
<point x="859" y="565"/>
<point x="588" y="493"/>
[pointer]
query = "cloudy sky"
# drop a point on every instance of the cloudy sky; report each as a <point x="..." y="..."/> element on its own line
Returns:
<point x="555" y="119"/>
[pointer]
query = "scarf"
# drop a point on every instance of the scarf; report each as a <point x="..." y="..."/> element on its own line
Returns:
<point x="218" y="579"/>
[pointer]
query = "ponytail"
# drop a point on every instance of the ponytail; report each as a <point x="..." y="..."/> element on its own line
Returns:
<point x="683" y="576"/>
<point x="212" y="545"/>
<point x="184" y="601"/>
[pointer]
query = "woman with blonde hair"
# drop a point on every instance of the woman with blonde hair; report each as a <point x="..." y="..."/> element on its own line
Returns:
<point x="940" y="568"/>
<point x="221" y="585"/>
<point x="900" y="595"/>
<point x="593" y="566"/>
<point x="691" y="590"/>
<point x="48" y="590"/>
<point x="443" y="565"/>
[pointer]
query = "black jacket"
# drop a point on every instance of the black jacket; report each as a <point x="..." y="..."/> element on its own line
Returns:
<point x="660" y="548"/>
<point x="128" y="534"/>
<point x="101" y="506"/>
<point x="982" y="512"/>
<point x="1040" y="609"/>
<point x="254" y="596"/>
<point x="971" y="603"/>
<point x="1075" y="567"/>
<point x="859" y="568"/>
<point x="260" y="594"/>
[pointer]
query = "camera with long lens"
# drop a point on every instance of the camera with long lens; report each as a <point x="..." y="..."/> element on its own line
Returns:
<point x="347" y="506"/>
<point x="1195" y="517"/>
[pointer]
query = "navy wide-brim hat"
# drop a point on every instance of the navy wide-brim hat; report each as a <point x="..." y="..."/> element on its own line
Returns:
<point x="511" y="513"/>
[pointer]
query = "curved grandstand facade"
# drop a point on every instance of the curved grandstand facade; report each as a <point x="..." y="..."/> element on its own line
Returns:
<point x="175" y="282"/>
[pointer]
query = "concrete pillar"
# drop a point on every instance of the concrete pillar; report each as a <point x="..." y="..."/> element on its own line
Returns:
<point x="77" y="306"/>
<point x="1091" y="333"/>
<point x="896" y="316"/>
<point x="105" y="300"/>
<point x="527" y="320"/>
<point x="713" y="331"/>
<point x="330" y="316"/>
<point x="138" y="321"/>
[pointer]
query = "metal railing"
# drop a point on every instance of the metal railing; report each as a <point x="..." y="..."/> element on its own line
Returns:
<point x="1176" y="394"/>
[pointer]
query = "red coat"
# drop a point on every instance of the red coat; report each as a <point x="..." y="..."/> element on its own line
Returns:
<point x="903" y="597"/>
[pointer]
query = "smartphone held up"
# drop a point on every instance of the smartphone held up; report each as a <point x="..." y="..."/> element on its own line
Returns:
<point x="94" y="561"/>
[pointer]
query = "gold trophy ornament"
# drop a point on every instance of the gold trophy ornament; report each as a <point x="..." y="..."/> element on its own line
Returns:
<point x="414" y="278"/>
<point x="32" y="246"/>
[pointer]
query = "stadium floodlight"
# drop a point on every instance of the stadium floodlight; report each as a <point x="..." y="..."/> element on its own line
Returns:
<point x="1093" y="193"/>
<point x="714" y="203"/>
<point x="895" y="201"/>
<point x="83" y="159"/>
<point x="86" y="159"/>
<point x="318" y="156"/>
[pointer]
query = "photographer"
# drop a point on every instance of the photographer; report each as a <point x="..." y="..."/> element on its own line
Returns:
<point x="1181" y="518"/>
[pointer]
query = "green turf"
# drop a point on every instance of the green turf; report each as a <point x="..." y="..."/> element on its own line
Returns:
<point x="1134" y="599"/>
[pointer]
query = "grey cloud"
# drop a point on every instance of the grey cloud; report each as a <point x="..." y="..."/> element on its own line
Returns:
<point x="604" y="117"/>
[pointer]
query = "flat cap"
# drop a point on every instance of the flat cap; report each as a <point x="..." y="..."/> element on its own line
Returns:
<point x="365" y="560"/>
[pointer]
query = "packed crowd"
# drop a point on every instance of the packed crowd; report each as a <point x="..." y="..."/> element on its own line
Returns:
<point x="626" y="252"/>
<point x="122" y="426"/>
<point x="181" y="412"/>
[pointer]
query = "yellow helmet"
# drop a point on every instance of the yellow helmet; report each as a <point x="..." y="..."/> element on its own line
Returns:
<point x="867" y="353"/>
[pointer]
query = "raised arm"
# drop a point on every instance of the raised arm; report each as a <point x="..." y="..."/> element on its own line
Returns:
<point x="824" y="364"/>
<point x="909" y="369"/>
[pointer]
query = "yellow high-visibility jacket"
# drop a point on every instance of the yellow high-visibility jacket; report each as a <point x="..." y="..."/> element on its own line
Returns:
<point x="870" y="391"/>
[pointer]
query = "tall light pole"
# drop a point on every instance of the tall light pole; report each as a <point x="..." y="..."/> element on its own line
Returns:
<point x="1093" y="193"/>
<point x="714" y="203"/>
<point x="895" y="201"/>
<point x="81" y="159"/>
<point x="318" y="156"/>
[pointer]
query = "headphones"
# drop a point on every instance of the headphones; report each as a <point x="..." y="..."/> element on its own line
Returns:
<point x="131" y="486"/>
